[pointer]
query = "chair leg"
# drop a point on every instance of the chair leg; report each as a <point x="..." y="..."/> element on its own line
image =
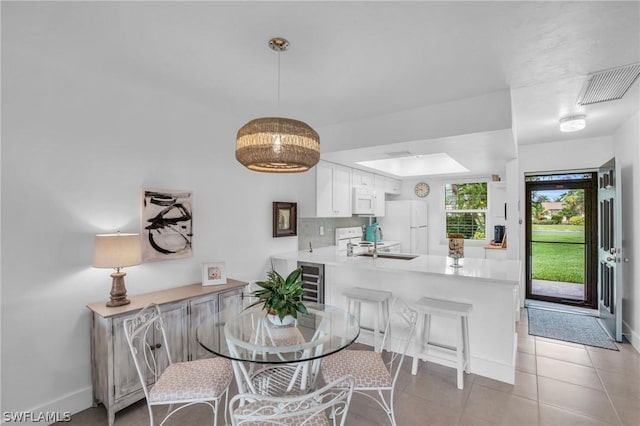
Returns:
<point x="151" y="421"/>
<point x="460" y="354"/>
<point x="216" y="406"/>
<point x="467" y="354"/>
<point x="376" y="330"/>
<point x="418" y="344"/>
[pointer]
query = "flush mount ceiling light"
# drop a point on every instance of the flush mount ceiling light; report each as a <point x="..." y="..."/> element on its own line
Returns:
<point x="274" y="144"/>
<point x="573" y="123"/>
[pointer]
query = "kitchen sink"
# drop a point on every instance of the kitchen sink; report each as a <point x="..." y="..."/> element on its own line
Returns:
<point x="400" y="256"/>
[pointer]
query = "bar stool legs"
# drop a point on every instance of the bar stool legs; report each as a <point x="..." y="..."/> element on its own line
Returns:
<point x="358" y="295"/>
<point x="427" y="307"/>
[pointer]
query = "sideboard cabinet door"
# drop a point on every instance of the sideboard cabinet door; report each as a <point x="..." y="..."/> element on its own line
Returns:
<point x="199" y="310"/>
<point x="202" y="308"/>
<point x="125" y="375"/>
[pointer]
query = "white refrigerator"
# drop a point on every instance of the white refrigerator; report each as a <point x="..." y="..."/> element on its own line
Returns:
<point x="406" y="221"/>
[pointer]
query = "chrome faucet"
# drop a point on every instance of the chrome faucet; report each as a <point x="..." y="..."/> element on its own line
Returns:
<point x="375" y="241"/>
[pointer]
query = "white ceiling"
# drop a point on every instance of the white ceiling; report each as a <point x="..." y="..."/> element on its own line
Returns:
<point x="350" y="61"/>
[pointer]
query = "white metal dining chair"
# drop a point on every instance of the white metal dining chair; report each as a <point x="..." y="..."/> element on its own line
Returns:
<point x="203" y="381"/>
<point x="376" y="372"/>
<point x="280" y="343"/>
<point x="326" y="406"/>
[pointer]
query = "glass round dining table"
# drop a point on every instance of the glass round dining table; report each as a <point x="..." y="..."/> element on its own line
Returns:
<point x="274" y="359"/>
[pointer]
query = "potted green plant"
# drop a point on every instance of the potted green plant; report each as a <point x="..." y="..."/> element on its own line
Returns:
<point x="281" y="297"/>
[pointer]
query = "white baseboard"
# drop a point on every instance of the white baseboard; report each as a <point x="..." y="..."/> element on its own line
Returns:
<point x="493" y="370"/>
<point x="632" y="336"/>
<point x="71" y="403"/>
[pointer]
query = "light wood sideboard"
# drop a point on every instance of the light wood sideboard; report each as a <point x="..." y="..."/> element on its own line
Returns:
<point x="116" y="384"/>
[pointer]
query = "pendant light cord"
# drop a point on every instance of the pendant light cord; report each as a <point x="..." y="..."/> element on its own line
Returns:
<point x="279" y="53"/>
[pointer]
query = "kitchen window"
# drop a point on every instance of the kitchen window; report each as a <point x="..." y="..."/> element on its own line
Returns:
<point x="465" y="207"/>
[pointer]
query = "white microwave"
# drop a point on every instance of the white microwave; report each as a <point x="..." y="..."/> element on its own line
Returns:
<point x="364" y="201"/>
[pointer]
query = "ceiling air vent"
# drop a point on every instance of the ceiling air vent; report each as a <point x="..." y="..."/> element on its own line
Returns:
<point x="609" y="85"/>
<point x="397" y="154"/>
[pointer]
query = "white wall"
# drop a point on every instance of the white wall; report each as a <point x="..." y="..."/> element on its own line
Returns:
<point x="77" y="146"/>
<point x="626" y="147"/>
<point x="484" y="113"/>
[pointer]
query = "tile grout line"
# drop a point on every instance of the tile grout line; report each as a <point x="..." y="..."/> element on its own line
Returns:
<point x="535" y="354"/>
<point x="535" y="350"/>
<point x="604" y="386"/>
<point x="575" y="384"/>
<point x="466" y="400"/>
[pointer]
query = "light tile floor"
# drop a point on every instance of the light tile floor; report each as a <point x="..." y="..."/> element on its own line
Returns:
<point x="557" y="383"/>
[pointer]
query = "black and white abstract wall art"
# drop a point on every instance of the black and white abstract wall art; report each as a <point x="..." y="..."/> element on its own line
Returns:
<point x="166" y="224"/>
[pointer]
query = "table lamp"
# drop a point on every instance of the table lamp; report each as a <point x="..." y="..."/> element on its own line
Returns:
<point x="117" y="251"/>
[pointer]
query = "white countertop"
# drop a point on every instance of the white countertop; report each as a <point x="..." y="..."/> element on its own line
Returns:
<point x="498" y="271"/>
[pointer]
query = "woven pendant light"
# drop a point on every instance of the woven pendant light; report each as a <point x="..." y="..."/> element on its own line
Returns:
<point x="274" y="144"/>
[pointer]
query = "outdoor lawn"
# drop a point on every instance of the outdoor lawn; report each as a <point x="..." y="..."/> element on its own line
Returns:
<point x="558" y="262"/>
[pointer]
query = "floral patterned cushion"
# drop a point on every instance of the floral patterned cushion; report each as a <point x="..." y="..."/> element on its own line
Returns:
<point x="367" y="367"/>
<point x="265" y="409"/>
<point x="201" y="379"/>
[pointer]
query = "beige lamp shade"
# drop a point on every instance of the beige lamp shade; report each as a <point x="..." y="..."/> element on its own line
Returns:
<point x="277" y="145"/>
<point x="116" y="251"/>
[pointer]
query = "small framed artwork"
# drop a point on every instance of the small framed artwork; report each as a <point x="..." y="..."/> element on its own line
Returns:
<point x="214" y="273"/>
<point x="285" y="219"/>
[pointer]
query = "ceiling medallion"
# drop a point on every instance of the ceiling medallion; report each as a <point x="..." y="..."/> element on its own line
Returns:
<point x="275" y="144"/>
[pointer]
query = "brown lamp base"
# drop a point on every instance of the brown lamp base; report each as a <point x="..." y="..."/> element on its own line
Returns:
<point x="118" y="291"/>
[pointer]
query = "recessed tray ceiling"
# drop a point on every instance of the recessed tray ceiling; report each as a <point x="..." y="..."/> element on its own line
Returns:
<point x="417" y="165"/>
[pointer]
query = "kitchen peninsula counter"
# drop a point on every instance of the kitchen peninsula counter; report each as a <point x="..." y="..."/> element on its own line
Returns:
<point x="495" y="271"/>
<point x="491" y="286"/>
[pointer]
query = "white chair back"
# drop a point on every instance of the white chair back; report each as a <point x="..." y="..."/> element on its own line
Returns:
<point x="398" y="335"/>
<point x="147" y="342"/>
<point x="248" y="299"/>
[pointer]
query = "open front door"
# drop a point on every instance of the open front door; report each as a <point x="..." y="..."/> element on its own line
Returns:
<point x="610" y="249"/>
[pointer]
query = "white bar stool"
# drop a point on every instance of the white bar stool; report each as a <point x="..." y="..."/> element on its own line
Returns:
<point x="358" y="295"/>
<point x="446" y="309"/>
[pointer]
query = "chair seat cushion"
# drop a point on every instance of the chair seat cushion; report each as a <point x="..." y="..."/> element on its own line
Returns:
<point x="277" y="336"/>
<point x="367" y="367"/>
<point x="266" y="409"/>
<point x="201" y="379"/>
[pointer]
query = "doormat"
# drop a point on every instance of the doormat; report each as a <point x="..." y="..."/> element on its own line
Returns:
<point x="582" y="329"/>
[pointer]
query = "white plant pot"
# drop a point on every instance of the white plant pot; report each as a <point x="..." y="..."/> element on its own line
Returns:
<point x="275" y="319"/>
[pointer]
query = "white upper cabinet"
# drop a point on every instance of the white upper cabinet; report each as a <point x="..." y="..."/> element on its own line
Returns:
<point x="361" y="178"/>
<point x="393" y="186"/>
<point x="333" y="190"/>
<point x="498" y="201"/>
<point x="381" y="188"/>
<point x="388" y="185"/>
<point x="385" y="185"/>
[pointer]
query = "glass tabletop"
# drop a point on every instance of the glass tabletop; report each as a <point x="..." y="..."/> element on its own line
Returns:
<point x="250" y="336"/>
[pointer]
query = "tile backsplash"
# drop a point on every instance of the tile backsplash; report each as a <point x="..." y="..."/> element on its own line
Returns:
<point x="309" y="230"/>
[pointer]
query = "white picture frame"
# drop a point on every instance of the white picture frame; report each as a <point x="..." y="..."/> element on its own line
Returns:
<point x="214" y="273"/>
